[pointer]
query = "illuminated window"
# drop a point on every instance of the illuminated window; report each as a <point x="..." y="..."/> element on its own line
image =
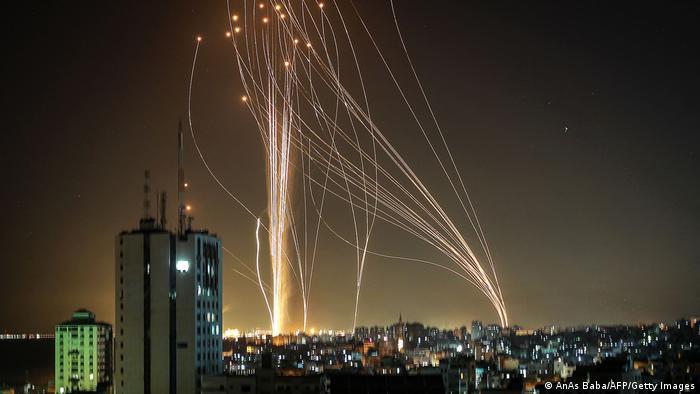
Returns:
<point x="183" y="265"/>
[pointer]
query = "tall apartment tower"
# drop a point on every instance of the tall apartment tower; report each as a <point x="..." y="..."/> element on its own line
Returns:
<point x="168" y="304"/>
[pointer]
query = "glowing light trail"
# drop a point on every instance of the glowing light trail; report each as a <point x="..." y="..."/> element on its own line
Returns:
<point x="311" y="125"/>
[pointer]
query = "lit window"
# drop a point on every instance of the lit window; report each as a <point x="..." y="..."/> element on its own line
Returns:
<point x="183" y="265"/>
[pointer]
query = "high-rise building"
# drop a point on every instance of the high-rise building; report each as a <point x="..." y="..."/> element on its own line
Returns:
<point x="493" y="331"/>
<point x="168" y="312"/>
<point x="168" y="303"/>
<point x="83" y="354"/>
<point x="477" y="330"/>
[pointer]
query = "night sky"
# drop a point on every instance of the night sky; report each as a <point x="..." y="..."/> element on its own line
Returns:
<point x="574" y="125"/>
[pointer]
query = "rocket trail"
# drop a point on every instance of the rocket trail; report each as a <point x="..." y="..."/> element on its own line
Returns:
<point x="263" y="286"/>
<point x="319" y="131"/>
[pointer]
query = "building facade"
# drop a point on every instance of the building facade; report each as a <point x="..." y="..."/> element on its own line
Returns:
<point x="83" y="354"/>
<point x="168" y="309"/>
<point x="477" y="330"/>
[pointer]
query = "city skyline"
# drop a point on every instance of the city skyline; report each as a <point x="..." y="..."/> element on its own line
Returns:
<point x="579" y="150"/>
<point x="417" y="357"/>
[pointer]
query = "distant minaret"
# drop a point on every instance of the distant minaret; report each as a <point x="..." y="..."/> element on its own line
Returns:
<point x="180" y="182"/>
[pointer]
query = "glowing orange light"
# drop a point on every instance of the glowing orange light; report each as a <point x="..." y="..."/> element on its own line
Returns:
<point x="264" y="20"/>
<point x="235" y="18"/>
<point x="286" y="64"/>
<point x="308" y="45"/>
<point x="244" y="98"/>
<point x="228" y="34"/>
<point x="278" y="7"/>
<point x="261" y="5"/>
<point x="296" y="41"/>
<point x="186" y="184"/>
<point x="199" y="38"/>
<point x="237" y="29"/>
<point x="189" y="207"/>
<point x="320" y="5"/>
<point x="283" y="16"/>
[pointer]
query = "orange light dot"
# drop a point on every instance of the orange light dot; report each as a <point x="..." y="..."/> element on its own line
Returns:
<point x="244" y="98"/>
<point x="199" y="38"/>
<point x="286" y="64"/>
<point x="189" y="207"/>
<point x="296" y="41"/>
<point x="264" y="20"/>
<point x="278" y="7"/>
<point x="235" y="17"/>
<point x="228" y="34"/>
<point x="186" y="184"/>
<point x="261" y="5"/>
<point x="320" y="5"/>
<point x="283" y="16"/>
<point x="308" y="45"/>
<point x="237" y="29"/>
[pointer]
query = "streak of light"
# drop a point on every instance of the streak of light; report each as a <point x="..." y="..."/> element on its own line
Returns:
<point x="337" y="150"/>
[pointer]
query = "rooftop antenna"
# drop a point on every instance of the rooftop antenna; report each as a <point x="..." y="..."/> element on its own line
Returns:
<point x="147" y="195"/>
<point x="189" y="222"/>
<point x="163" y="197"/>
<point x="157" y="207"/>
<point x="180" y="181"/>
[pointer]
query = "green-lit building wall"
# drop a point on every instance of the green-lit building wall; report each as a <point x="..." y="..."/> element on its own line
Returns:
<point x="82" y="354"/>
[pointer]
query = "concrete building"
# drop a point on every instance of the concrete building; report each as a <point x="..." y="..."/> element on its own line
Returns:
<point x="477" y="330"/>
<point x="168" y="302"/>
<point x="83" y="354"/>
<point x="168" y="312"/>
<point x="458" y="374"/>
<point x="267" y="380"/>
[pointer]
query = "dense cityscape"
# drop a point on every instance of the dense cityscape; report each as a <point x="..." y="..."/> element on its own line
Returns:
<point x="169" y="338"/>
<point x="490" y="356"/>
<point x="413" y="358"/>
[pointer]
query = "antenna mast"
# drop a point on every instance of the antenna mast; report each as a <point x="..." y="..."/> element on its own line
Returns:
<point x="163" y="220"/>
<point x="147" y="195"/>
<point x="180" y="182"/>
